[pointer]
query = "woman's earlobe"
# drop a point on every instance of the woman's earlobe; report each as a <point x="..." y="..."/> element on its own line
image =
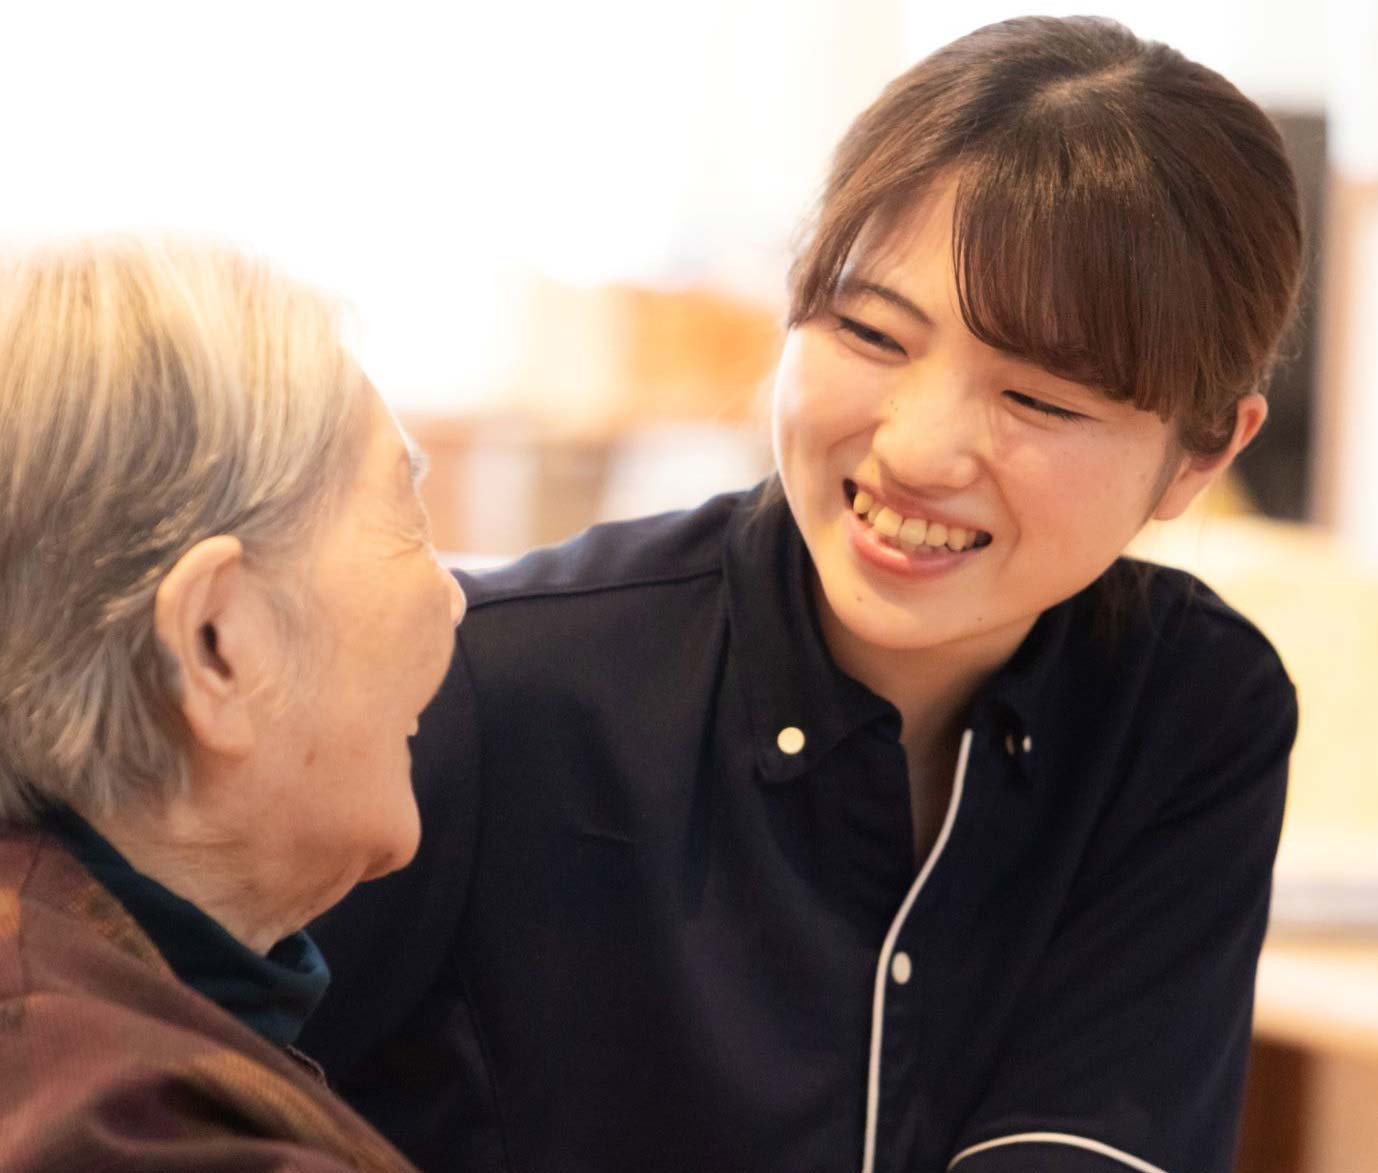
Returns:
<point x="1196" y="472"/>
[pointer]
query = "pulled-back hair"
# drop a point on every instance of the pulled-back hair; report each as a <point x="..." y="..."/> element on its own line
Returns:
<point x="151" y="396"/>
<point x="1125" y="218"/>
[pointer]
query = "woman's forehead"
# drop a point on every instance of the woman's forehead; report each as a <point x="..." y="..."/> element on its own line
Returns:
<point x="921" y="224"/>
<point x="906" y="258"/>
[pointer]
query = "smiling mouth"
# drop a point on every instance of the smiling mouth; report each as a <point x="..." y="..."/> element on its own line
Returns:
<point x="913" y="535"/>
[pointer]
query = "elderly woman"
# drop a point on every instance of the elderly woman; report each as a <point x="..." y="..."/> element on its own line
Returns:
<point x="220" y="615"/>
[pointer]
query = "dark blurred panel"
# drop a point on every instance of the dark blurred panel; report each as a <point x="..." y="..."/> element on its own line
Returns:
<point x="1275" y="467"/>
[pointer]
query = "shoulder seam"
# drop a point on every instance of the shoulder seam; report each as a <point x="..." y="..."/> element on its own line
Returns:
<point x="1200" y="594"/>
<point x="518" y="594"/>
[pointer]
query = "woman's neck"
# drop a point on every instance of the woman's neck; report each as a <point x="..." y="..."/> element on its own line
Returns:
<point x="241" y="882"/>
<point x="931" y="687"/>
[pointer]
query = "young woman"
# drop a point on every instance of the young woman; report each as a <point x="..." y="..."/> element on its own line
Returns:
<point x="883" y="816"/>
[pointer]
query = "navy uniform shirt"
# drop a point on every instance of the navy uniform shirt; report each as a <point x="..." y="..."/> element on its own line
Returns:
<point x="649" y="929"/>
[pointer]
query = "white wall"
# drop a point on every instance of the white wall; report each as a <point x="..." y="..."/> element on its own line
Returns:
<point x="423" y="158"/>
<point x="1349" y="421"/>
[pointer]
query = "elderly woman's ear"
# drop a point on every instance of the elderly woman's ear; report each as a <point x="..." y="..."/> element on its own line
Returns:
<point x="213" y="625"/>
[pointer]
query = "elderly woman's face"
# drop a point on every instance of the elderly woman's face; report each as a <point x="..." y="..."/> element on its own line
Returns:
<point x="383" y="610"/>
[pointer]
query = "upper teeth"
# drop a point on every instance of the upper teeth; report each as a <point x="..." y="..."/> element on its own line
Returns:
<point x="911" y="532"/>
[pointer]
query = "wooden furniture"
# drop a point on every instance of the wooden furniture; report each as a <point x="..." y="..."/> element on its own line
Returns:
<point x="1312" y="1099"/>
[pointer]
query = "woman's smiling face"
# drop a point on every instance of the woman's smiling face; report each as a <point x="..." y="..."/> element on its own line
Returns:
<point x="947" y="492"/>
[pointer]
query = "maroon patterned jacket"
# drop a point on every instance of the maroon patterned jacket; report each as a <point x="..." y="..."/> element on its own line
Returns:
<point x="109" y="1062"/>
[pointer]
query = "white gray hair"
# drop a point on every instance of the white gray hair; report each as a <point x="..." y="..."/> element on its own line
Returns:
<point x="152" y="395"/>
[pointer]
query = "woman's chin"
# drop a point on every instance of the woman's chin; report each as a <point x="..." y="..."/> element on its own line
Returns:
<point x="871" y="618"/>
<point x="400" y="847"/>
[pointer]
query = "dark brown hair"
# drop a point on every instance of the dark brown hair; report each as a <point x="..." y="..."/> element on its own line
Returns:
<point x="1125" y="218"/>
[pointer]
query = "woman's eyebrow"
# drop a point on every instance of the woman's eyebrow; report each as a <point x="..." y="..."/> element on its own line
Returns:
<point x="851" y="286"/>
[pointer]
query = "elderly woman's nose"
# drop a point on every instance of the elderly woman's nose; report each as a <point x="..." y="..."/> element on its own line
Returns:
<point x="458" y="603"/>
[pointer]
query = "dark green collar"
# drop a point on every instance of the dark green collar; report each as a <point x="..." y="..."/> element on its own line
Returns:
<point x="273" y="995"/>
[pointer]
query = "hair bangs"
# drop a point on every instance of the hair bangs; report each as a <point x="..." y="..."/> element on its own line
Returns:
<point x="1066" y="258"/>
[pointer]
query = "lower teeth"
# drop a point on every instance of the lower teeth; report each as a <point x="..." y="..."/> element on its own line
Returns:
<point x="923" y="549"/>
<point x="896" y="544"/>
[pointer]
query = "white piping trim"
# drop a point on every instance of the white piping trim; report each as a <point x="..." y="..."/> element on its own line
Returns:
<point x="868" y="1160"/>
<point x="1079" y="1142"/>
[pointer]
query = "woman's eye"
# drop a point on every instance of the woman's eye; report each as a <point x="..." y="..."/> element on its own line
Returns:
<point x="1048" y="409"/>
<point x="864" y="333"/>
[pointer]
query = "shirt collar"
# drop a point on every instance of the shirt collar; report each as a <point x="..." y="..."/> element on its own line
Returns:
<point x="1011" y="708"/>
<point x="790" y="679"/>
<point x="273" y="994"/>
<point x="792" y="683"/>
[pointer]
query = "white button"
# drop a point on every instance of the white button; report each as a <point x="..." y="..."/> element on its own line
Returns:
<point x="790" y="740"/>
<point x="901" y="969"/>
<point x="1009" y="744"/>
<point x="1028" y="744"/>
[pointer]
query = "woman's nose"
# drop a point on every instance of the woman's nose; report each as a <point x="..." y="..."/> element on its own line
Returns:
<point x="930" y="435"/>
<point x="458" y="603"/>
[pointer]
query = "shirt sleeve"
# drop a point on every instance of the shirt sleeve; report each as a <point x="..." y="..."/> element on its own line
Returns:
<point x="1130" y="1048"/>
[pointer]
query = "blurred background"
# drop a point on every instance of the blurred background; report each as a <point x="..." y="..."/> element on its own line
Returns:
<point x="564" y="229"/>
